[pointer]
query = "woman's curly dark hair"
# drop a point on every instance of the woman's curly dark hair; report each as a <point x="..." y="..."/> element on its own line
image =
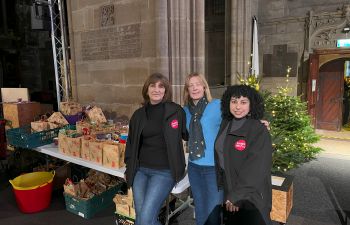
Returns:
<point x="256" y="101"/>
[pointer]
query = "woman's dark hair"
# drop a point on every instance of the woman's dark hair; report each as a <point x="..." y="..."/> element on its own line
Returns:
<point x="152" y="79"/>
<point x="256" y="101"/>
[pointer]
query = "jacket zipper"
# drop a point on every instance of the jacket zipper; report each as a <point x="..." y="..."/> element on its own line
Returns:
<point x="166" y="138"/>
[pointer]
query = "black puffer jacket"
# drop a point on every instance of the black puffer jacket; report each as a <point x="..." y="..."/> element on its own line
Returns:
<point x="174" y="128"/>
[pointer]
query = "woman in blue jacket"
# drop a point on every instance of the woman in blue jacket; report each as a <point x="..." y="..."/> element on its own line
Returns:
<point x="154" y="154"/>
<point x="203" y="117"/>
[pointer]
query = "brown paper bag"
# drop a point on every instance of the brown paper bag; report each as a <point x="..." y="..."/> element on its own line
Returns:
<point x="123" y="209"/>
<point x="70" y="108"/>
<point x="96" y="115"/>
<point x="103" y="128"/>
<point x="130" y="198"/>
<point x="121" y="155"/>
<point x="62" y="143"/>
<point x="57" y="118"/>
<point x="85" y="150"/>
<point x="117" y="199"/>
<point x="132" y="213"/>
<point x="69" y="187"/>
<point x="38" y="126"/>
<point x="96" y="151"/>
<point x="111" y="155"/>
<point x="124" y="204"/>
<point x="54" y="125"/>
<point x="83" y="127"/>
<point x="74" y="146"/>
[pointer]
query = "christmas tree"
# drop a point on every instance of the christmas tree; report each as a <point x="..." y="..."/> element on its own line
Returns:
<point x="290" y="128"/>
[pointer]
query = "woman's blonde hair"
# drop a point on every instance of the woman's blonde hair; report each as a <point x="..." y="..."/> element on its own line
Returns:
<point x="187" y="98"/>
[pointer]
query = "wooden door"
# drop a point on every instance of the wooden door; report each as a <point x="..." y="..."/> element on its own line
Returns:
<point x="329" y="96"/>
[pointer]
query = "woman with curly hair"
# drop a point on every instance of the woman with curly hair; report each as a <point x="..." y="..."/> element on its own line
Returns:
<point x="244" y="157"/>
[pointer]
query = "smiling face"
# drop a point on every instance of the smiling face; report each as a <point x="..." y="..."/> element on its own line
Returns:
<point x="156" y="92"/>
<point x="239" y="107"/>
<point x="195" y="89"/>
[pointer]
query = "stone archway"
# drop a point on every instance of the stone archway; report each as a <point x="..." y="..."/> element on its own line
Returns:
<point x="325" y="87"/>
<point x="321" y="34"/>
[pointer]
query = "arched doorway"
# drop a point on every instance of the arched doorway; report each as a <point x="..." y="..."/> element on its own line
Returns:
<point x="326" y="88"/>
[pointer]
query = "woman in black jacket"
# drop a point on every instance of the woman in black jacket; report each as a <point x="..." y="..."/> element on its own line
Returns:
<point x="154" y="156"/>
<point x="244" y="157"/>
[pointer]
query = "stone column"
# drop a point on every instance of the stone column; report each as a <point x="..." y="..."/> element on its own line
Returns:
<point x="198" y="41"/>
<point x="180" y="40"/>
<point x="241" y="36"/>
<point x="161" y="37"/>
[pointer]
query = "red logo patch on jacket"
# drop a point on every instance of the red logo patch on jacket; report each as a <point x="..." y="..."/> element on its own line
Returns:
<point x="174" y="124"/>
<point x="240" y="145"/>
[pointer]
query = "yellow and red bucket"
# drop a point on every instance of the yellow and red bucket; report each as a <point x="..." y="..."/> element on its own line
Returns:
<point x="33" y="191"/>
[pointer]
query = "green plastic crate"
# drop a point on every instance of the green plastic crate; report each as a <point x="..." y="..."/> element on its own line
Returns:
<point x="22" y="137"/>
<point x="88" y="208"/>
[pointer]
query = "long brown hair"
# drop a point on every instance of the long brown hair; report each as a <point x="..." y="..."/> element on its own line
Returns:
<point x="207" y="93"/>
<point x="152" y="79"/>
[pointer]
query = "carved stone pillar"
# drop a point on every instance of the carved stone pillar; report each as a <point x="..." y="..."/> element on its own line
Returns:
<point x="241" y="36"/>
<point x="180" y="40"/>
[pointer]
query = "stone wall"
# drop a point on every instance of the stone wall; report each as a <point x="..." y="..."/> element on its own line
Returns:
<point x="282" y="26"/>
<point x="116" y="44"/>
<point x="113" y="52"/>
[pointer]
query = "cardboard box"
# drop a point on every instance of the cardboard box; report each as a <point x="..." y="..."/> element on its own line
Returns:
<point x="21" y="113"/>
<point x="14" y="94"/>
<point x="282" y="199"/>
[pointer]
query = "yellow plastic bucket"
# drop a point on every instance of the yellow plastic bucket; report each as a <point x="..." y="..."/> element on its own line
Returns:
<point x="33" y="191"/>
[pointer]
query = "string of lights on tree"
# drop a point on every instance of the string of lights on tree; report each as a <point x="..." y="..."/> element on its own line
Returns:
<point x="290" y="125"/>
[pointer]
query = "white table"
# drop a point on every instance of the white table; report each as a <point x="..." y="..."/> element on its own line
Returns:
<point x="52" y="150"/>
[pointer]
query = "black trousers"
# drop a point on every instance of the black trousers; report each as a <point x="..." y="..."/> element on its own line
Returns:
<point x="244" y="216"/>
